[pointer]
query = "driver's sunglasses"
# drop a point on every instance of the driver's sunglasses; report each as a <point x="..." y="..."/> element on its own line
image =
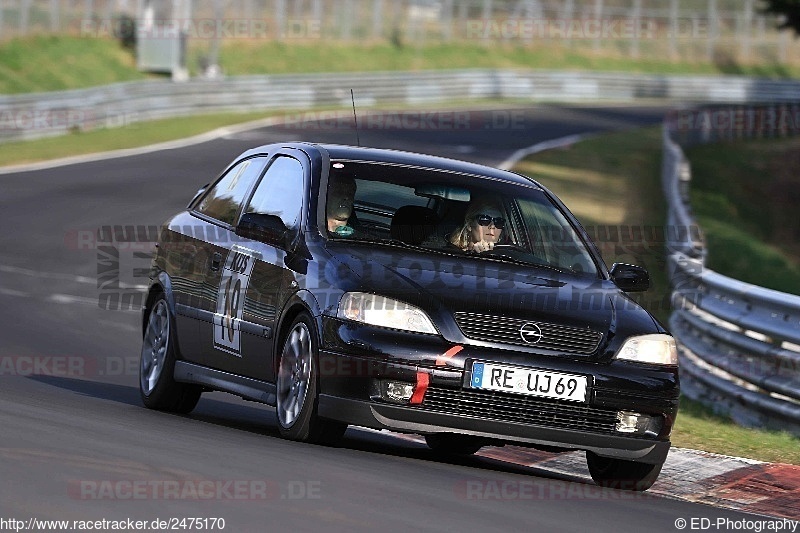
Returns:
<point x="485" y="220"/>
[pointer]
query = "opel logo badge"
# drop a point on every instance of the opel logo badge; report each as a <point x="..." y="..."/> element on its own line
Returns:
<point x="530" y="333"/>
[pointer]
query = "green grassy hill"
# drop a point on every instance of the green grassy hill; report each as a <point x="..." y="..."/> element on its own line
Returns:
<point x="51" y="63"/>
<point x="745" y="195"/>
<point x="45" y="63"/>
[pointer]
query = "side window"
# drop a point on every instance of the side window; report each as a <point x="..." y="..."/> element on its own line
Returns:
<point x="224" y="199"/>
<point x="280" y="192"/>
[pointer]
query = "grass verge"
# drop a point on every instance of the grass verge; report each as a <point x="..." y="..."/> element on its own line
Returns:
<point x="614" y="181"/>
<point x="269" y="57"/>
<point x="50" y="63"/>
<point x="745" y="195"/>
<point x="699" y="428"/>
<point x="151" y="132"/>
<point x="54" y="63"/>
<point x="132" y="136"/>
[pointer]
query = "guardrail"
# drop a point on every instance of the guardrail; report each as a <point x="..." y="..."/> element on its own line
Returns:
<point x="31" y="116"/>
<point x="739" y="344"/>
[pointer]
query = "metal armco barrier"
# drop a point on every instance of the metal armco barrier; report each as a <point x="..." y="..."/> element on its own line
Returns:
<point x="31" y="116"/>
<point x="739" y="344"/>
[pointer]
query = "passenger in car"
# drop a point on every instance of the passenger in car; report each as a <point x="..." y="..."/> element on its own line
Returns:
<point x="341" y="191"/>
<point x="482" y="228"/>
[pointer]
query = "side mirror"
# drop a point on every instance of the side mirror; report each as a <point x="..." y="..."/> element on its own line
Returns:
<point x="630" y="278"/>
<point x="268" y="229"/>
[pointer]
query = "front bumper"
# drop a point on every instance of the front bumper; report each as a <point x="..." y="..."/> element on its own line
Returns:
<point x="409" y="420"/>
<point x="353" y="359"/>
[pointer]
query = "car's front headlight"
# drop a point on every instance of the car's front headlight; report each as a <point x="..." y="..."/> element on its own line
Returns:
<point x="385" y="312"/>
<point x="658" y="349"/>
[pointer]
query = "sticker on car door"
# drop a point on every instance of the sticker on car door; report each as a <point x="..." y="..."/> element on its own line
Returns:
<point x="230" y="299"/>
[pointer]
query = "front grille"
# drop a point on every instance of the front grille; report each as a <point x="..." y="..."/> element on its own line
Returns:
<point x="565" y="339"/>
<point x="492" y="405"/>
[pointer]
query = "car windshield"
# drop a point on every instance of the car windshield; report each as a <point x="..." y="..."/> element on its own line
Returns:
<point x="452" y="213"/>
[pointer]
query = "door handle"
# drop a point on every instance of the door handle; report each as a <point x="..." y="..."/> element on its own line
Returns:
<point x="216" y="259"/>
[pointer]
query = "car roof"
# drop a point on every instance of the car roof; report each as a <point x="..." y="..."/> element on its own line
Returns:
<point x="397" y="157"/>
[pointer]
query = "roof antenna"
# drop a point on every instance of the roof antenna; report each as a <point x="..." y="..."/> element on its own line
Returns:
<point x="355" y="117"/>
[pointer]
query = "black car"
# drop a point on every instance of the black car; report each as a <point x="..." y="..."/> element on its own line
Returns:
<point x="413" y="293"/>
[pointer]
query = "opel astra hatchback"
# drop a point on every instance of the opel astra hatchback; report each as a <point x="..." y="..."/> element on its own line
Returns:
<point x="391" y="290"/>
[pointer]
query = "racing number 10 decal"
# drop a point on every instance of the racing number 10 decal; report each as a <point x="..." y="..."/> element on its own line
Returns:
<point x="230" y="299"/>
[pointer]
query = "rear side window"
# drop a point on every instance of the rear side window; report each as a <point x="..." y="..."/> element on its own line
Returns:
<point x="224" y="199"/>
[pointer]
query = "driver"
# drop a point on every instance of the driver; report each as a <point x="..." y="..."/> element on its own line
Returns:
<point x="482" y="228"/>
<point x="339" y="208"/>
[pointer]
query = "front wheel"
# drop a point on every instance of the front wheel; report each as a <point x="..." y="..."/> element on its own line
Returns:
<point x="621" y="474"/>
<point x="298" y="388"/>
<point x="157" y="387"/>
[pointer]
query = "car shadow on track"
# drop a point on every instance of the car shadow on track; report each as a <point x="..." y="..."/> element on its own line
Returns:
<point x="259" y="419"/>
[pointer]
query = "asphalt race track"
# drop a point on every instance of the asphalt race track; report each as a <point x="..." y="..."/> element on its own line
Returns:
<point x="76" y="443"/>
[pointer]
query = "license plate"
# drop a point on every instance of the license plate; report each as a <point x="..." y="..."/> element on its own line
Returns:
<point x="529" y="381"/>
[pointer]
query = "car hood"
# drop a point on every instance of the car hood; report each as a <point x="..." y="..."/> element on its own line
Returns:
<point x="444" y="284"/>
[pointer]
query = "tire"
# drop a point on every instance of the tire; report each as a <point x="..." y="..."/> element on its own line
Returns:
<point x="297" y="388"/>
<point x="157" y="387"/>
<point x="449" y="443"/>
<point x="621" y="474"/>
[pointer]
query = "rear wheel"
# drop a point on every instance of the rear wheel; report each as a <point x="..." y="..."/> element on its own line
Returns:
<point x="621" y="474"/>
<point x="449" y="443"/>
<point x="157" y="387"/>
<point x="298" y="388"/>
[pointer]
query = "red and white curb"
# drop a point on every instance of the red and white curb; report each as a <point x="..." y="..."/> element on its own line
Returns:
<point x="691" y="475"/>
<point x="768" y="489"/>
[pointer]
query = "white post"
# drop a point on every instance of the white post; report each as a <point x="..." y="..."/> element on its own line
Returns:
<point x="55" y="16"/>
<point x="280" y="19"/>
<point x="377" y="19"/>
<point x="747" y="24"/>
<point x="487" y="17"/>
<point x="316" y="15"/>
<point x="213" y="69"/>
<point x="24" y="16"/>
<point x="347" y="19"/>
<point x="598" y="15"/>
<point x="569" y="12"/>
<point x="712" y="29"/>
<point x="447" y="20"/>
<point x="673" y="28"/>
<point x="462" y="16"/>
<point x="636" y="23"/>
